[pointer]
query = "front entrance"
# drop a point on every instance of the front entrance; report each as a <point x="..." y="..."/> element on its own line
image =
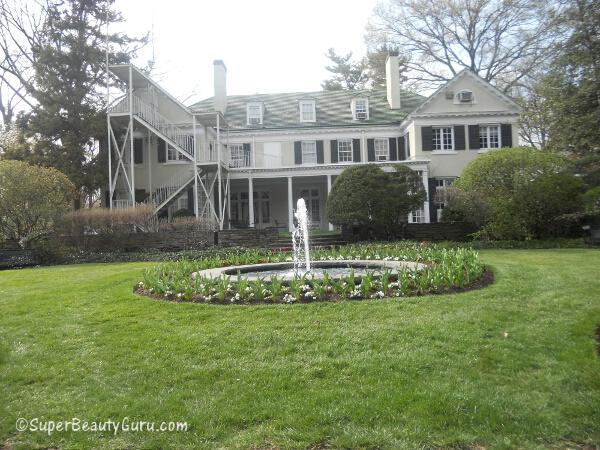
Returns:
<point x="312" y="198"/>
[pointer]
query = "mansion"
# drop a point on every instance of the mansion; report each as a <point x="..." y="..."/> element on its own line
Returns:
<point x="244" y="160"/>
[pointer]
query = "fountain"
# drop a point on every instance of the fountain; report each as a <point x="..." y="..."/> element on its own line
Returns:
<point x="301" y="264"/>
<point x="300" y="239"/>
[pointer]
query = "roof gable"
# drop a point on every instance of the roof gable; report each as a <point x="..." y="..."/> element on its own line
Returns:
<point x="486" y="98"/>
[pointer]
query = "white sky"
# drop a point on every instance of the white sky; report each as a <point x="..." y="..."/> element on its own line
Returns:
<point x="268" y="46"/>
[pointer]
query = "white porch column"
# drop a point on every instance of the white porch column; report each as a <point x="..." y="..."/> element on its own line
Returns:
<point x="250" y="202"/>
<point x="131" y="160"/>
<point x="290" y="205"/>
<point x="425" y="175"/>
<point x="328" y="191"/>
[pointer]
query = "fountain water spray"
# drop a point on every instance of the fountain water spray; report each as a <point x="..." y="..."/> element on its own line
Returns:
<point x="300" y="238"/>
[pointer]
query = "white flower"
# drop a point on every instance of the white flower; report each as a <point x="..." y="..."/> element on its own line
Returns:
<point x="288" y="298"/>
<point x="179" y="295"/>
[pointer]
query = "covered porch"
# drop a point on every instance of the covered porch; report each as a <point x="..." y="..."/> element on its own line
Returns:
<point x="274" y="201"/>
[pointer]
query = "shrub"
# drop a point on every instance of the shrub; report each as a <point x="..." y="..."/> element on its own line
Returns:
<point x="32" y="198"/>
<point x="516" y="193"/>
<point x="367" y="196"/>
<point x="107" y="221"/>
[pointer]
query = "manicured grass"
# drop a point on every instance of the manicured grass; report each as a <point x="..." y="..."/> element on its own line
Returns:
<point x="510" y="366"/>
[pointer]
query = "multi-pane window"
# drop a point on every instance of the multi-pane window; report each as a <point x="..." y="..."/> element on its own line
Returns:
<point x="417" y="216"/>
<point x="238" y="157"/>
<point x="174" y="155"/>
<point x="443" y="138"/>
<point x="345" y="150"/>
<point x="254" y="112"/>
<point x="307" y="111"/>
<point x="361" y="108"/>
<point x="489" y="136"/>
<point x="382" y="150"/>
<point x="440" y="198"/>
<point x="309" y="152"/>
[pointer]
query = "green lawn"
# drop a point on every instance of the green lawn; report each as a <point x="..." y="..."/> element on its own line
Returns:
<point x="425" y="372"/>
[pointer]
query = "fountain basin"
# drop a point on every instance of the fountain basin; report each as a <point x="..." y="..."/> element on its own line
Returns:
<point x="335" y="269"/>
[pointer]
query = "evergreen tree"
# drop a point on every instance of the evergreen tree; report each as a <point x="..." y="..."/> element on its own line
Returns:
<point x="68" y="119"/>
<point x="573" y="85"/>
<point x="347" y="74"/>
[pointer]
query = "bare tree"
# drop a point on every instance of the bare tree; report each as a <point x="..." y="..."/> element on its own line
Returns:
<point x="20" y="32"/>
<point x="501" y="40"/>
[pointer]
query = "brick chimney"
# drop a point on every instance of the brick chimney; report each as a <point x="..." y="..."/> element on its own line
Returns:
<point x="392" y="80"/>
<point x="220" y="76"/>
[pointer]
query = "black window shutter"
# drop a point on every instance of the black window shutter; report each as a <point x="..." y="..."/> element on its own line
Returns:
<point x="298" y="152"/>
<point x="190" y="198"/>
<point x="320" y="155"/>
<point x="370" y="149"/>
<point x="401" y="148"/>
<point x="356" y="150"/>
<point x="432" y="206"/>
<point x="246" y="147"/>
<point x="459" y="137"/>
<point x="427" y="139"/>
<point x="393" y="149"/>
<point x="506" y="134"/>
<point x="334" y="151"/>
<point x="138" y="151"/>
<point x="162" y="151"/>
<point x="474" y="137"/>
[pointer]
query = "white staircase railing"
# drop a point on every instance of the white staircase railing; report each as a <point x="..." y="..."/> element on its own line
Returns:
<point x="164" y="194"/>
<point x="182" y="138"/>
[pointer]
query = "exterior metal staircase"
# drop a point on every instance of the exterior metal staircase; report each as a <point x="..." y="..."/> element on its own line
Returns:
<point x="165" y="194"/>
<point x="149" y="116"/>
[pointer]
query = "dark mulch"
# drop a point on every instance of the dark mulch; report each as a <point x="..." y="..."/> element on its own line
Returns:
<point x="598" y="339"/>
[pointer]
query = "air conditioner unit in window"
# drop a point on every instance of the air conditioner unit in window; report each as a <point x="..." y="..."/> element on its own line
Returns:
<point x="361" y="115"/>
<point x="465" y="97"/>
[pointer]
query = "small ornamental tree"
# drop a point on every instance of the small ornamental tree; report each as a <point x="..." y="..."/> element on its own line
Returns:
<point x="373" y="199"/>
<point x="521" y="193"/>
<point x="31" y="199"/>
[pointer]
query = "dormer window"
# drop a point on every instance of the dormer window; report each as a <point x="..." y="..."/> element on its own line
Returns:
<point x="254" y="113"/>
<point x="360" y="108"/>
<point x="464" y="97"/>
<point x="307" y="111"/>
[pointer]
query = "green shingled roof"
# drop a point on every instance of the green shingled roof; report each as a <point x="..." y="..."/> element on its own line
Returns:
<point x="332" y="107"/>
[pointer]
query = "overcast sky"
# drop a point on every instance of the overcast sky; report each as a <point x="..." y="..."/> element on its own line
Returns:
<point x="268" y="46"/>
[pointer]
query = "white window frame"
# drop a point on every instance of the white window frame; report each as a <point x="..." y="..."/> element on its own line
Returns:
<point x="439" y="140"/>
<point x="252" y="115"/>
<point x="170" y="150"/>
<point x="237" y="156"/>
<point x="313" y="112"/>
<point x="417" y="216"/>
<point x="488" y="128"/>
<point x="345" y="151"/>
<point x="306" y="151"/>
<point x="355" y="109"/>
<point x="441" y="184"/>
<point x="382" y="149"/>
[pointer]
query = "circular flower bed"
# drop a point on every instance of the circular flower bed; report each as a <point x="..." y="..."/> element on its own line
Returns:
<point x="446" y="270"/>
